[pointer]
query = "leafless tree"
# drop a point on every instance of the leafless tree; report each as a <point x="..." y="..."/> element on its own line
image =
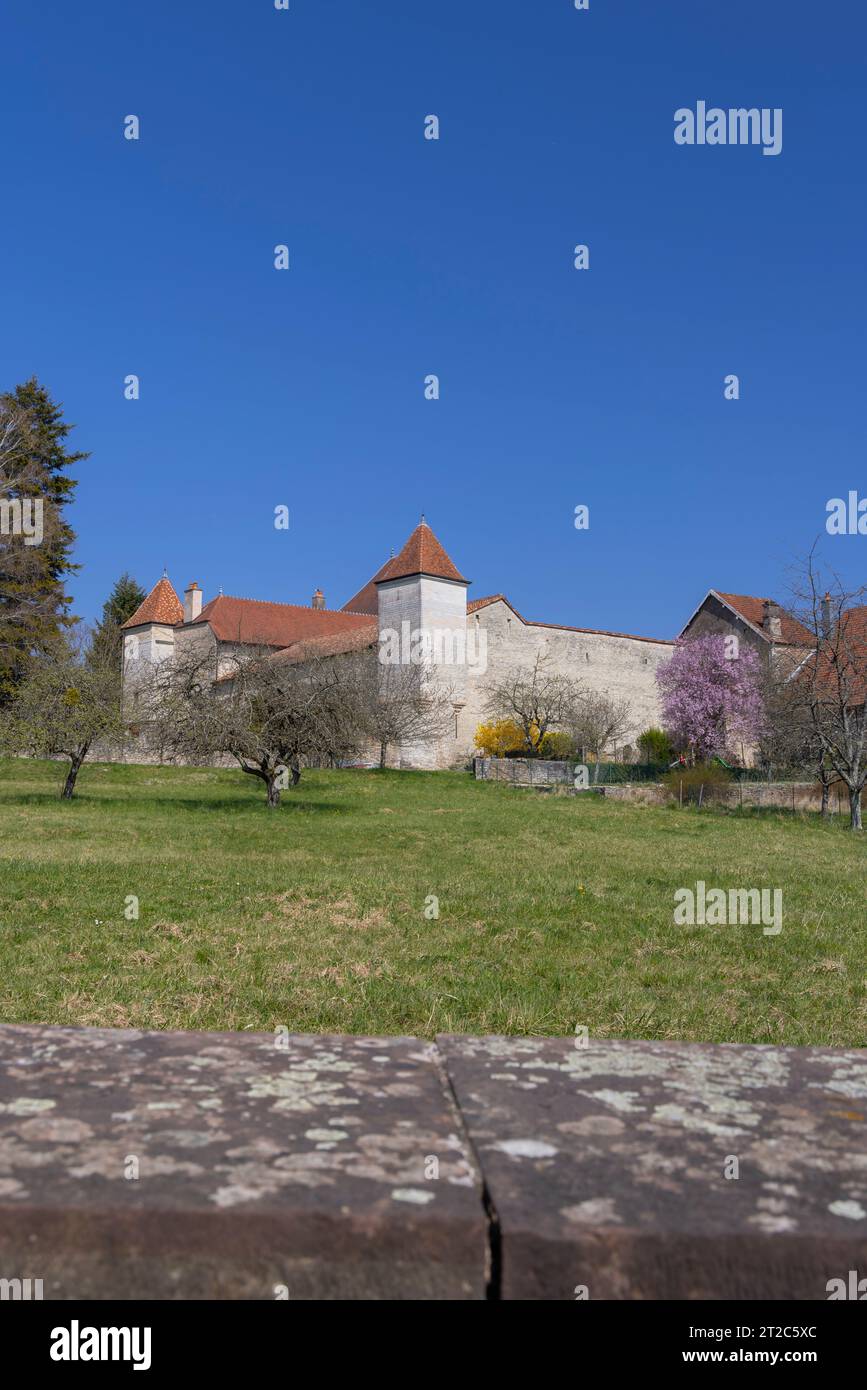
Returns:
<point x="537" y="698"/>
<point x="272" y="712"/>
<point x="398" y="703"/>
<point x="789" y="737"/>
<point x="597" y="722"/>
<point x="828" y="687"/>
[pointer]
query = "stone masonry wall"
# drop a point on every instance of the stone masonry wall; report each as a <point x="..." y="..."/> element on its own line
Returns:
<point x="623" y="667"/>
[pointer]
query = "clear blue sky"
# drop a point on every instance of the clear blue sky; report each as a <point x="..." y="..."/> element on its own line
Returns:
<point x="454" y="257"/>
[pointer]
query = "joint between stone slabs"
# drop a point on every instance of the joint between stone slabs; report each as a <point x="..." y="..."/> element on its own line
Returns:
<point x="494" y="1252"/>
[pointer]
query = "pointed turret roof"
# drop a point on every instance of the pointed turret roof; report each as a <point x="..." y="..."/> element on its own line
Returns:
<point x="422" y="554"/>
<point x="162" y="605"/>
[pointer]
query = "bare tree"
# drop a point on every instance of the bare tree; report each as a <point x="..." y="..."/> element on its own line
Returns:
<point x="271" y="712"/>
<point x="828" y="688"/>
<point x="398" y="702"/>
<point x="537" y="698"/>
<point x="68" y="701"/>
<point x="597" y="722"/>
<point x="789" y="737"/>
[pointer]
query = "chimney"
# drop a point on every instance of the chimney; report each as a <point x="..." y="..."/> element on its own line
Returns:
<point x="771" y="622"/>
<point x="826" y="614"/>
<point x="318" y="600"/>
<point x="192" y="602"/>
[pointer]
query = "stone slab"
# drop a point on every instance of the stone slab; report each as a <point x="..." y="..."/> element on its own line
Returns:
<point x="263" y="1171"/>
<point x="606" y="1166"/>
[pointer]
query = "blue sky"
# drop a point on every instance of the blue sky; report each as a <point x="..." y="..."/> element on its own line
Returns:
<point x="454" y="257"/>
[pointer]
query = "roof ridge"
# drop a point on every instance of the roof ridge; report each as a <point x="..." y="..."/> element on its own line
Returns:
<point x="278" y="603"/>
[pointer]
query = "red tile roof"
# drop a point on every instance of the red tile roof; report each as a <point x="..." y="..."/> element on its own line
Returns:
<point x="842" y="660"/>
<point x="258" y="623"/>
<point x="423" y="554"/>
<point x="476" y="603"/>
<point x="365" y="600"/>
<point x="331" y="643"/>
<point x="162" y="605"/>
<point x="753" y="609"/>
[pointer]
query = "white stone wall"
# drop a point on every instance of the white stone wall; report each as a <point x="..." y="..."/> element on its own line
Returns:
<point x="622" y="667"/>
<point x="437" y="607"/>
<point x="147" y="644"/>
<point x="496" y="642"/>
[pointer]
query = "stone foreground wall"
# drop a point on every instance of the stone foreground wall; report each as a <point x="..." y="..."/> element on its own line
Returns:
<point x="240" y="1166"/>
<point x="541" y="772"/>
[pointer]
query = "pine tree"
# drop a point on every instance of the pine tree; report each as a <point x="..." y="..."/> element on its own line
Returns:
<point x="124" y="599"/>
<point x="33" y="601"/>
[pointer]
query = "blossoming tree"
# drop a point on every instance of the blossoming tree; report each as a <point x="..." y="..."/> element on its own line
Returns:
<point x="711" y="700"/>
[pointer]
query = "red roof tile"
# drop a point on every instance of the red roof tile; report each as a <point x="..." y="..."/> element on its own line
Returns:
<point x="330" y="644"/>
<point x="753" y="609"/>
<point x="476" y="603"/>
<point x="258" y="623"/>
<point x="162" y="605"/>
<point x="423" y="554"/>
<point x="365" y="600"/>
<point x="842" y="660"/>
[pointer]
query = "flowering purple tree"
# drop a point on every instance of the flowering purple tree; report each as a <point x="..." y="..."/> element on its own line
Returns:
<point x="711" y="700"/>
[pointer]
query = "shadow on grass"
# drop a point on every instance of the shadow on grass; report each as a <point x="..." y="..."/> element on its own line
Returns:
<point x="249" y="805"/>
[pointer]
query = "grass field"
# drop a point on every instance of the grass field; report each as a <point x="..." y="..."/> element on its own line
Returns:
<point x="554" y="911"/>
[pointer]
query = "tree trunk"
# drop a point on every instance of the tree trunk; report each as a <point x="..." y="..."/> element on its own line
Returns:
<point x="74" y="766"/>
<point x="295" y="769"/>
<point x="855" y="809"/>
<point x="383" y="748"/>
<point x="273" y="789"/>
<point x="826" y="798"/>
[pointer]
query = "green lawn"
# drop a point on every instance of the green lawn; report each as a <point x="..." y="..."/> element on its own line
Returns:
<point x="554" y="911"/>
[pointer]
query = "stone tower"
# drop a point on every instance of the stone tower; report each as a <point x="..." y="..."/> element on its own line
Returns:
<point x="422" y="613"/>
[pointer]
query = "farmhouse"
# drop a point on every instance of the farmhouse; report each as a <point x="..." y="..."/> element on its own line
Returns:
<point x="469" y="643"/>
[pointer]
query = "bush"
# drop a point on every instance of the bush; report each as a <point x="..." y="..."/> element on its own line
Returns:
<point x="655" y="746"/>
<point x="697" y="784"/>
<point x="498" y="739"/>
<point x="557" y="746"/>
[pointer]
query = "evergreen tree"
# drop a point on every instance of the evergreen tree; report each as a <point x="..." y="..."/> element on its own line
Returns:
<point x="124" y="599"/>
<point x="33" y="568"/>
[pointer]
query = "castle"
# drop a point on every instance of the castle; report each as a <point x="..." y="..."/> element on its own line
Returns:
<point x="472" y="643"/>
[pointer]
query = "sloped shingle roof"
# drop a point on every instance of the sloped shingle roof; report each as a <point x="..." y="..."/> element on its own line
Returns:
<point x="162" y="605"/>
<point x="753" y="610"/>
<point x="256" y="622"/>
<point x="423" y="554"/>
<point x="365" y="600"/>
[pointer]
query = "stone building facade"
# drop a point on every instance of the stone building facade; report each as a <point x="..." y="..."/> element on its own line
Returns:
<point x="471" y="644"/>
